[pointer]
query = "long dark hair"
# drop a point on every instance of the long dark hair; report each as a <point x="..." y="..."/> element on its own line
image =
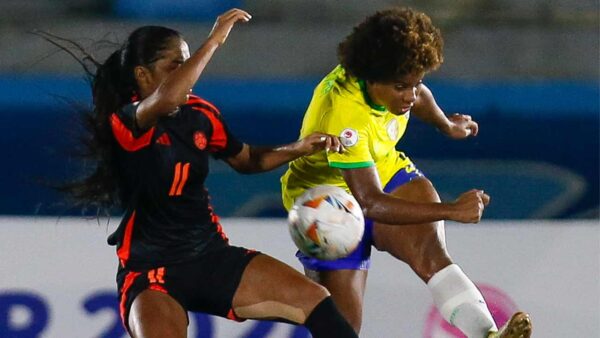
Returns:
<point x="113" y="86"/>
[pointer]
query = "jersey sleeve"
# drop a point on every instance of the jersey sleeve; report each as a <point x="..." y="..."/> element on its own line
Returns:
<point x="350" y="121"/>
<point x="125" y="130"/>
<point x="218" y="138"/>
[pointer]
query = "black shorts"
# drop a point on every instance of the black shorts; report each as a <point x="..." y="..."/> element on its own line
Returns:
<point x="206" y="284"/>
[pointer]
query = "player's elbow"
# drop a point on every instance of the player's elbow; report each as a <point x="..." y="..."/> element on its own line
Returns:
<point x="170" y="104"/>
<point x="240" y="166"/>
<point x="246" y="170"/>
<point x="259" y="160"/>
<point x="368" y="203"/>
<point x="261" y="166"/>
<point x="245" y="162"/>
<point x="168" y="101"/>
<point x="368" y="209"/>
<point x="247" y="167"/>
<point x="373" y="203"/>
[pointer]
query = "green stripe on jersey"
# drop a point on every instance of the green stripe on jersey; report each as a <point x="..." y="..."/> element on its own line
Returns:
<point x="354" y="165"/>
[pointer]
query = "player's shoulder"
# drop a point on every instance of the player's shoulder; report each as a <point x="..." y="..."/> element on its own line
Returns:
<point x="349" y="108"/>
<point x="339" y="101"/>
<point x="198" y="104"/>
<point x="198" y="110"/>
<point x="345" y="92"/>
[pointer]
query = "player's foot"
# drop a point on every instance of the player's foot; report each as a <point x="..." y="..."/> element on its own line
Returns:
<point x="519" y="326"/>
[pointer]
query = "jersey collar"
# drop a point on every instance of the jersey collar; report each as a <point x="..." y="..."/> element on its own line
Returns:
<point x="363" y="88"/>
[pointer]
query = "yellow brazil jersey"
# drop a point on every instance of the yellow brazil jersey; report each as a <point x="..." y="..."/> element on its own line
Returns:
<point x="341" y="106"/>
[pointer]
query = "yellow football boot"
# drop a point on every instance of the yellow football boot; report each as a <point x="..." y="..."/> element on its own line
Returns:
<point x="519" y="326"/>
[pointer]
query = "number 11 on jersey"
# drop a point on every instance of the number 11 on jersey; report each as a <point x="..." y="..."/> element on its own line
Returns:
<point x="179" y="179"/>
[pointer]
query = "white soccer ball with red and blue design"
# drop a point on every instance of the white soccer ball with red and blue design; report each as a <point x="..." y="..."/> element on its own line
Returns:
<point x="326" y="223"/>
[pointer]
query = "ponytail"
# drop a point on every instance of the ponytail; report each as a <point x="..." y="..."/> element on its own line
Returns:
<point x="105" y="85"/>
<point x="100" y="188"/>
<point x="113" y="86"/>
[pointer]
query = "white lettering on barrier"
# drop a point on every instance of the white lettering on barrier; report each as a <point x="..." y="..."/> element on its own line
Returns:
<point x="58" y="279"/>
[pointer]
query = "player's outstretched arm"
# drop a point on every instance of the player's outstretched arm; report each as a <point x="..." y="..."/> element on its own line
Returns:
<point x="385" y="208"/>
<point x="174" y="89"/>
<point x="254" y="159"/>
<point x="456" y="126"/>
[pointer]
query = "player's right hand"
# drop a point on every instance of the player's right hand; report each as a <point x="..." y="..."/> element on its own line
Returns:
<point x="320" y="141"/>
<point x="225" y="22"/>
<point x="468" y="207"/>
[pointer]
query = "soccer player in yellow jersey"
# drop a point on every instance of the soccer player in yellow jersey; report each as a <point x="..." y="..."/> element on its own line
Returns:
<point x="367" y="101"/>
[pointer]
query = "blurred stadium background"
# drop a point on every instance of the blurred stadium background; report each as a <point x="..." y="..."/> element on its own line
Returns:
<point x="526" y="70"/>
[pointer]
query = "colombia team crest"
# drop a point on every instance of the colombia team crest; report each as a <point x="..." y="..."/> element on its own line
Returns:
<point x="200" y="140"/>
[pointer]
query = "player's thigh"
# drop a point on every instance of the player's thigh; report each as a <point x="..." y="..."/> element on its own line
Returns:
<point x="413" y="242"/>
<point x="347" y="288"/>
<point x="156" y="314"/>
<point x="271" y="289"/>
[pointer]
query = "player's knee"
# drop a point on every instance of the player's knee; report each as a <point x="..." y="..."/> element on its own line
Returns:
<point x="154" y="314"/>
<point x="423" y="269"/>
<point x="428" y="192"/>
<point x="320" y="292"/>
<point x="427" y="266"/>
<point x="428" y="258"/>
<point x="315" y="294"/>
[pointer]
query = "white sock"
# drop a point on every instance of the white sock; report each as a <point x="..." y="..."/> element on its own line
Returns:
<point x="460" y="302"/>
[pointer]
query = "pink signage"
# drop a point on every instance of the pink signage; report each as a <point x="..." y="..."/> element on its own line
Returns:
<point x="499" y="303"/>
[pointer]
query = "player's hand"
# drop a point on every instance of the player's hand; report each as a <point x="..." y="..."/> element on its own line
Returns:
<point x="225" y="22"/>
<point x="468" y="207"/>
<point x="461" y="126"/>
<point x="319" y="141"/>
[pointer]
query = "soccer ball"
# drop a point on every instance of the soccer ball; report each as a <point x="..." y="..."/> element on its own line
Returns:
<point x="326" y="222"/>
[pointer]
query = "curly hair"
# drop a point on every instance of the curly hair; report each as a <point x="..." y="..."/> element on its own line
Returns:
<point x="390" y="44"/>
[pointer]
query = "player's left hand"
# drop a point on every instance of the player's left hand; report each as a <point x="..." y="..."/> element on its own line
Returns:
<point x="225" y="23"/>
<point x="461" y="126"/>
<point x="319" y="141"/>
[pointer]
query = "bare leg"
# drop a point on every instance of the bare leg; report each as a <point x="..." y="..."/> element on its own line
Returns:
<point x="260" y="294"/>
<point x="155" y="314"/>
<point x="347" y="289"/>
<point x="423" y="248"/>
<point x="269" y="289"/>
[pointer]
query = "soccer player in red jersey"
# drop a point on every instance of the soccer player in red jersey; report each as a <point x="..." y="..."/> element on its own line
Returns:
<point x="151" y="139"/>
